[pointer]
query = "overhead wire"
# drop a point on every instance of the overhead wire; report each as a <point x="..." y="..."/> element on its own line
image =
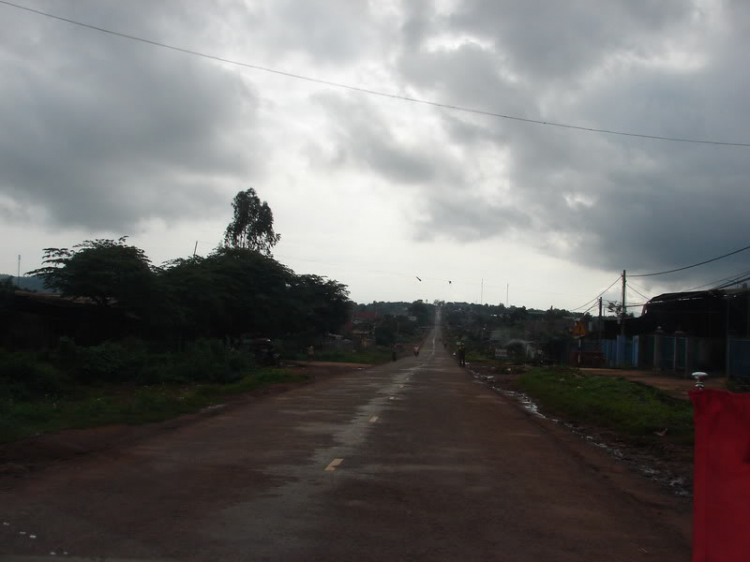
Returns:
<point x="735" y="281"/>
<point x="597" y="296"/>
<point x="712" y="284"/>
<point x="636" y="291"/>
<point x="370" y="91"/>
<point x="635" y="285"/>
<point x="690" y="266"/>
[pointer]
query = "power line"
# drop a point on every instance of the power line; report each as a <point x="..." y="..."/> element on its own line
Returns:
<point x="597" y="296"/>
<point x="629" y="286"/>
<point x="718" y="281"/>
<point x="735" y="281"/>
<point x="691" y="266"/>
<point x="630" y="283"/>
<point x="371" y="92"/>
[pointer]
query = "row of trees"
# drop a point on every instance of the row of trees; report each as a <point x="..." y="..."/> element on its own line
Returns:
<point x="238" y="290"/>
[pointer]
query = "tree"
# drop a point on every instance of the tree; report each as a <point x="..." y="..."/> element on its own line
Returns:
<point x="320" y="305"/>
<point x="421" y="311"/>
<point x="251" y="227"/>
<point x="105" y="271"/>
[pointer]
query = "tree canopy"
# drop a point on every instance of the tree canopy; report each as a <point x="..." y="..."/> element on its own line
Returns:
<point x="105" y="271"/>
<point x="251" y="227"/>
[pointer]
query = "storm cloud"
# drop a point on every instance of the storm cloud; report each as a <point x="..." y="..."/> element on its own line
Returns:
<point x="100" y="132"/>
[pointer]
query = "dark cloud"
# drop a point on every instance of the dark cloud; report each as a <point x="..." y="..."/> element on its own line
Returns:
<point x="366" y="137"/>
<point x="608" y="202"/>
<point x="549" y="41"/>
<point x="101" y="132"/>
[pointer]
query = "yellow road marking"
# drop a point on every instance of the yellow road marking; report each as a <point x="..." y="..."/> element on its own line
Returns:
<point x="333" y="464"/>
<point x="373" y="419"/>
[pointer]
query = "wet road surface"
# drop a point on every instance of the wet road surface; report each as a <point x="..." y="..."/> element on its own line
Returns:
<point x="406" y="461"/>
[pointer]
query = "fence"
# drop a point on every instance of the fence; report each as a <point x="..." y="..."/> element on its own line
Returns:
<point x="673" y="353"/>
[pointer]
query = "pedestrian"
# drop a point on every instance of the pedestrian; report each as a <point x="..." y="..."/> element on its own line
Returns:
<point x="416" y="351"/>
<point x="461" y="355"/>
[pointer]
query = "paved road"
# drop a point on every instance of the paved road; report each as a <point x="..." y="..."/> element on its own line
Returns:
<point x="406" y="461"/>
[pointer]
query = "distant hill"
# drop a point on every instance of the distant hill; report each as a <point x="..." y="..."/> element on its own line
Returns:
<point x="27" y="283"/>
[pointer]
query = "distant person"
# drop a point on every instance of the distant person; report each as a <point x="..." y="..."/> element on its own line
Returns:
<point x="462" y="355"/>
<point x="416" y="351"/>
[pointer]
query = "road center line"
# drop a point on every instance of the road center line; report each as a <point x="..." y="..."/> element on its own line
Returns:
<point x="333" y="464"/>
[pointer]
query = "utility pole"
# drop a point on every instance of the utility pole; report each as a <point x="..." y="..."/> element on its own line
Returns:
<point x="507" y="290"/>
<point x="599" y="325"/>
<point x="624" y="310"/>
<point x="19" y="269"/>
<point x="195" y="250"/>
<point x="481" y="294"/>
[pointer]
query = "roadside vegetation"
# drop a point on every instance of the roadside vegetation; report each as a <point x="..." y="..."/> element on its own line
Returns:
<point x="113" y="383"/>
<point x="124" y="341"/>
<point x="639" y="412"/>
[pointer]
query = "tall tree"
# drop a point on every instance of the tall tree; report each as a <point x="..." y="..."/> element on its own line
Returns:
<point x="251" y="227"/>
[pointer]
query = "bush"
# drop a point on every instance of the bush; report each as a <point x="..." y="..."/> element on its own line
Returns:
<point x="209" y="361"/>
<point x="23" y="376"/>
<point x="106" y="363"/>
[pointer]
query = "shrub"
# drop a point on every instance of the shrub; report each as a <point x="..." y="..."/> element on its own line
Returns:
<point x="23" y="376"/>
<point x="106" y="363"/>
<point x="209" y="361"/>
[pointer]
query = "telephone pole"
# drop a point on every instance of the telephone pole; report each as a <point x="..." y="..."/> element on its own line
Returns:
<point x="624" y="310"/>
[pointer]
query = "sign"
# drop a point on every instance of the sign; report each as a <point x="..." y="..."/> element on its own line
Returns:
<point x="579" y="329"/>
<point x="501" y="353"/>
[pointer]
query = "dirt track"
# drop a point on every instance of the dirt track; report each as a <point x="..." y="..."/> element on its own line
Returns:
<point x="676" y="386"/>
<point x="406" y="461"/>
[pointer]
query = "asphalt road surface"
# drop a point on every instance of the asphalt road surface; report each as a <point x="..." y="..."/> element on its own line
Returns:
<point x="406" y="461"/>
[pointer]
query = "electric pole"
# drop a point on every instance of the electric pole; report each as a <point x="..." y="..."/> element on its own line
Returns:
<point x="19" y="268"/>
<point x="195" y="250"/>
<point x="599" y="324"/>
<point x="624" y="310"/>
<point x="507" y="290"/>
<point x="481" y="294"/>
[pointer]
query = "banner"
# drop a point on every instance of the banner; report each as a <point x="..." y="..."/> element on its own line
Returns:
<point x="721" y="495"/>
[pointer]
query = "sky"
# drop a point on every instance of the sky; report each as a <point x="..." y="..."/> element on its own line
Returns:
<point x="101" y="136"/>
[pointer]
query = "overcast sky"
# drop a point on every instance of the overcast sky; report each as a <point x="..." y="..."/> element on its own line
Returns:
<point x="101" y="136"/>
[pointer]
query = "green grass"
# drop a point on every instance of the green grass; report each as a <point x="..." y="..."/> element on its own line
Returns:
<point x="94" y="407"/>
<point x="632" y="409"/>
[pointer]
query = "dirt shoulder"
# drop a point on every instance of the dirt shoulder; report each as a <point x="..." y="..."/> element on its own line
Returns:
<point x="675" y="386"/>
<point x="36" y="453"/>
<point x="663" y="460"/>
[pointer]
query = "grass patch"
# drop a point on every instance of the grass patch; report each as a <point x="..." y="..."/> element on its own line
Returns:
<point x="632" y="409"/>
<point x="107" y="405"/>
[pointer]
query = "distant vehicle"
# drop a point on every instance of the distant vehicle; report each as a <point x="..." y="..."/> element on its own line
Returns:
<point x="264" y="352"/>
